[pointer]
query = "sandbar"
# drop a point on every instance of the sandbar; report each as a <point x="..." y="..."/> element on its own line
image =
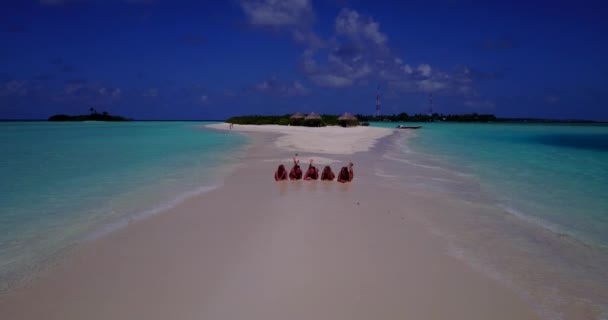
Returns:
<point x="258" y="249"/>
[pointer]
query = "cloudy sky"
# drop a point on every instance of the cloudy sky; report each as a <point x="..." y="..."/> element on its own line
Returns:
<point x="159" y="59"/>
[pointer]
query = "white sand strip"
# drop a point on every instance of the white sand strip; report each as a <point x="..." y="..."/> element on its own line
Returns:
<point x="328" y="140"/>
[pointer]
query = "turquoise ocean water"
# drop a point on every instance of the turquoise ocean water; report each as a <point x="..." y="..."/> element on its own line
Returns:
<point x="535" y="199"/>
<point x="66" y="182"/>
<point x="555" y="175"/>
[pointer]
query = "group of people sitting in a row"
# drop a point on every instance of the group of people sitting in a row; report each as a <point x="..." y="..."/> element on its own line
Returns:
<point x="312" y="173"/>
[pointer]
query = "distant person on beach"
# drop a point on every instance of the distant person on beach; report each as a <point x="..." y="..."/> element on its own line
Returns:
<point x="327" y="174"/>
<point x="296" y="171"/>
<point x="312" y="173"/>
<point x="231" y="126"/>
<point x="280" y="174"/>
<point x="346" y="174"/>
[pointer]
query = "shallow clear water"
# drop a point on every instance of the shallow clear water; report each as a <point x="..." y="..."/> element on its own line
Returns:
<point x="63" y="182"/>
<point x="554" y="174"/>
<point x="536" y="213"/>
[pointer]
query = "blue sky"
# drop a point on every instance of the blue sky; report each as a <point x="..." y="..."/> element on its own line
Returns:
<point x="156" y="59"/>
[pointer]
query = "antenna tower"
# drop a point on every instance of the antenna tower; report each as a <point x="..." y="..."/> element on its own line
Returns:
<point x="378" y="102"/>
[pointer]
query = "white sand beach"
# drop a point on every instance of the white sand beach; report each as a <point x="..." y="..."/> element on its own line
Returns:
<point x="326" y="140"/>
<point x="258" y="249"/>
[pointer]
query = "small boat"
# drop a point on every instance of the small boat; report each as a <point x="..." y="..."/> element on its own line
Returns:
<point x="408" y="127"/>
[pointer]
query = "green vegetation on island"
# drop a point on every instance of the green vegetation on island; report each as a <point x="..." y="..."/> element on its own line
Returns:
<point x="287" y="119"/>
<point x="93" y="116"/>
<point x="349" y="120"/>
<point x="435" y="117"/>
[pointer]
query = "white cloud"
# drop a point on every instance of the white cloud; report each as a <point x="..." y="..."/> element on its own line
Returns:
<point x="277" y="13"/>
<point x="308" y="62"/>
<point x="407" y="69"/>
<point x="72" y="88"/>
<point x="465" y="90"/>
<point x="83" y="92"/>
<point x="262" y="86"/>
<point x="424" y="69"/>
<point x="204" y="98"/>
<point x="458" y="82"/>
<point x="14" y="87"/>
<point x="297" y="89"/>
<point x="354" y="25"/>
<point x="109" y="92"/>
<point x="308" y="38"/>
<point x="332" y="80"/>
<point x="428" y="85"/>
<point x="275" y="86"/>
<point x="371" y="30"/>
<point x="356" y="54"/>
<point x="479" y="104"/>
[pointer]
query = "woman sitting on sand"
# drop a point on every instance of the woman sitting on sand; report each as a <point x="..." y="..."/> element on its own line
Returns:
<point x="346" y="174"/>
<point x="312" y="173"/>
<point x="296" y="172"/>
<point x="280" y="174"/>
<point x="327" y="174"/>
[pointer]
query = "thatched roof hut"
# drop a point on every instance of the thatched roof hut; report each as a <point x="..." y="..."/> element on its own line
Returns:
<point x="347" y="117"/>
<point x="312" y="116"/>
<point x="297" y="115"/>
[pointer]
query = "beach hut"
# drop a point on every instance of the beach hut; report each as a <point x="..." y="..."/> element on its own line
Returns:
<point x="312" y="116"/>
<point x="313" y="120"/>
<point x="298" y="116"/>
<point x="296" y="119"/>
<point x="347" y="116"/>
<point x="347" y="119"/>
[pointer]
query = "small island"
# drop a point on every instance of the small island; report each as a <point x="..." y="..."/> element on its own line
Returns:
<point x="93" y="116"/>
<point x="298" y="119"/>
<point x="347" y="119"/>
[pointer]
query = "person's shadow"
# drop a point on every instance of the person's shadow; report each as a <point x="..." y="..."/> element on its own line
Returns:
<point x="343" y="186"/>
<point x="312" y="185"/>
<point x="282" y="187"/>
<point x="296" y="185"/>
<point x="327" y="186"/>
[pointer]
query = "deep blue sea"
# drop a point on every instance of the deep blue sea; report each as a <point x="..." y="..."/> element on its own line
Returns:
<point x="554" y="175"/>
<point x="65" y="182"/>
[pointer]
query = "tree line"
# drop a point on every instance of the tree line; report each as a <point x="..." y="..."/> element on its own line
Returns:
<point x="93" y="116"/>
<point x="284" y="120"/>
<point x="404" y="117"/>
<point x="332" y="120"/>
